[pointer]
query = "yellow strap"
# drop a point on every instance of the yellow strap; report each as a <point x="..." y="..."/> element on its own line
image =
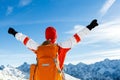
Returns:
<point x="57" y="65"/>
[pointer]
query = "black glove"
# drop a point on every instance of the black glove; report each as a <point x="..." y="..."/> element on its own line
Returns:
<point x="92" y="24"/>
<point x="12" y="31"/>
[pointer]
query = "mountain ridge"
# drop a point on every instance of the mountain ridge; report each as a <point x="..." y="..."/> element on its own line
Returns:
<point x="103" y="70"/>
<point x="20" y="73"/>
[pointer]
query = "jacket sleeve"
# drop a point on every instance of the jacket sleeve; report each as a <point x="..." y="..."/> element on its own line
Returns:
<point x="29" y="43"/>
<point x="76" y="38"/>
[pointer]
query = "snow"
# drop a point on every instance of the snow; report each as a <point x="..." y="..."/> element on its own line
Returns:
<point x="104" y="70"/>
<point x="13" y="73"/>
<point x="68" y="77"/>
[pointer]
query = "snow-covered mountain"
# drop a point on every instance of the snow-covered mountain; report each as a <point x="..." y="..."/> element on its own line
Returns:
<point x="104" y="70"/>
<point x="11" y="73"/>
<point x="20" y="73"/>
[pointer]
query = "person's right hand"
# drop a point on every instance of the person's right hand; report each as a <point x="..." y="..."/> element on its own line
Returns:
<point x="12" y="31"/>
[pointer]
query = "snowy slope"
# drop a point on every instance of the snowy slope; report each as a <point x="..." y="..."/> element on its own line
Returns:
<point x="68" y="77"/>
<point x="11" y="73"/>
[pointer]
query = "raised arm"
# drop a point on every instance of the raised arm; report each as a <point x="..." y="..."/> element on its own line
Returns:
<point x="29" y="43"/>
<point x="76" y="38"/>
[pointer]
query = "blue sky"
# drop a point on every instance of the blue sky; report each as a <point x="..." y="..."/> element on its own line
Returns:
<point x="31" y="17"/>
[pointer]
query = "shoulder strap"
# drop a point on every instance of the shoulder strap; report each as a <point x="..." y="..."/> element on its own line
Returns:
<point x="56" y="61"/>
<point x="58" y="67"/>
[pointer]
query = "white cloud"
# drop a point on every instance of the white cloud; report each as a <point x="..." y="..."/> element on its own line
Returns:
<point x="9" y="10"/>
<point x="24" y="2"/>
<point x="101" y="55"/>
<point x="95" y="56"/>
<point x="17" y="59"/>
<point x="108" y="32"/>
<point x="105" y="32"/>
<point x="106" y="6"/>
<point x="76" y="29"/>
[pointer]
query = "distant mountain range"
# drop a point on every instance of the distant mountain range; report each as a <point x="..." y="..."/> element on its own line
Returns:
<point x="104" y="70"/>
<point x="20" y="73"/>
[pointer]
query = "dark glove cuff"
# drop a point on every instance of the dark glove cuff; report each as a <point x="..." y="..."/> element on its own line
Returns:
<point x="14" y="33"/>
<point x="89" y="27"/>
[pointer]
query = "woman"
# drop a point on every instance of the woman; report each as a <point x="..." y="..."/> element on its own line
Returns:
<point x="60" y="49"/>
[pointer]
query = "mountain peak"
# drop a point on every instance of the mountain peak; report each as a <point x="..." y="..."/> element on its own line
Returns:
<point x="106" y="59"/>
<point x="21" y="73"/>
<point x="2" y="67"/>
<point x="103" y="70"/>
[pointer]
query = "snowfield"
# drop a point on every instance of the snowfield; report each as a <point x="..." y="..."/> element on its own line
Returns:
<point x="11" y="73"/>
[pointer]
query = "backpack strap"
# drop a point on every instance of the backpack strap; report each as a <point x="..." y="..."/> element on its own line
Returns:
<point x="32" y="71"/>
<point x="56" y="61"/>
<point x="35" y="68"/>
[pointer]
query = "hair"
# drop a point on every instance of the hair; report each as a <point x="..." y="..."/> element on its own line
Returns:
<point x="46" y="42"/>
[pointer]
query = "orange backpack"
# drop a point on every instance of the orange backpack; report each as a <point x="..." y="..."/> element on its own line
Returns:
<point x="47" y="67"/>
